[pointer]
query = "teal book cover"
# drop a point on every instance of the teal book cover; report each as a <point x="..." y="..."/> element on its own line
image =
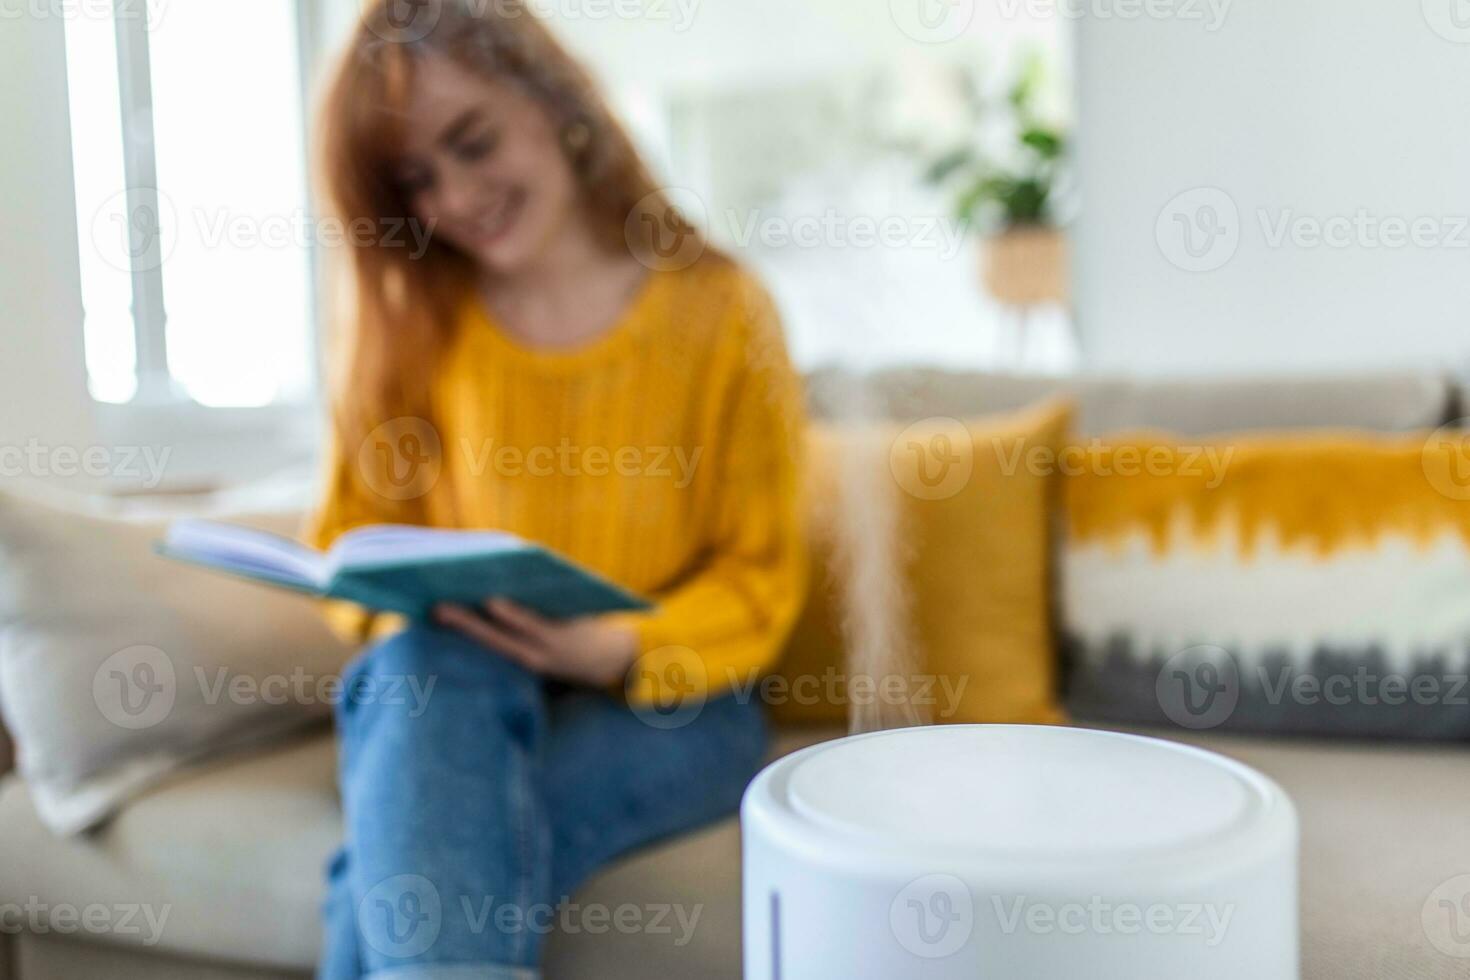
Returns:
<point x="404" y="569"/>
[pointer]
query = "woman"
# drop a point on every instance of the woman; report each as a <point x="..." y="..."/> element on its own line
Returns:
<point x="529" y="373"/>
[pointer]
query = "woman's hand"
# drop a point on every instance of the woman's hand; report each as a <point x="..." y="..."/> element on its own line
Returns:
<point x="586" y="650"/>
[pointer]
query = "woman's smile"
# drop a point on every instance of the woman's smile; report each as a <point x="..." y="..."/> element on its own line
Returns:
<point x="495" y="221"/>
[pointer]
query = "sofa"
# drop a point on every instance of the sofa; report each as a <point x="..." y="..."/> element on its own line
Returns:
<point x="233" y="850"/>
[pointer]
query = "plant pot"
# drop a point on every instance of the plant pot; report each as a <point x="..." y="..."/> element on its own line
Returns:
<point x="1025" y="266"/>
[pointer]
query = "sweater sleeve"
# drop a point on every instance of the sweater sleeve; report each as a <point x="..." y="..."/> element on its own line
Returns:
<point x="348" y="500"/>
<point x="727" y="621"/>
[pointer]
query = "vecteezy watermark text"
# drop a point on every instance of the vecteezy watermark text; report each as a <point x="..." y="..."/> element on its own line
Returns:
<point x="409" y="21"/>
<point x="1201" y="687"/>
<point x="1210" y="14"/>
<point x="298" y="229"/>
<point x="568" y="459"/>
<point x="935" y="915"/>
<point x="568" y="917"/>
<point x="1099" y="458"/>
<point x="403" y="916"/>
<point x="833" y="687"/>
<point x="137" y="687"/>
<point x="96" y="918"/>
<point x="102" y="10"/>
<point x="40" y="460"/>
<point x="302" y="688"/>
<point x="1202" y="229"/>
<point x="834" y="229"/>
<point x="1363" y="229"/>
<point x="1099" y="916"/>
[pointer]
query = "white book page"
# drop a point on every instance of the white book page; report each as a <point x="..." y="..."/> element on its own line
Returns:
<point x="405" y="543"/>
<point x="245" y="549"/>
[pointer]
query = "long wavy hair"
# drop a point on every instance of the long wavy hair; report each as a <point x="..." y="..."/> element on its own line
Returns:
<point x="393" y="309"/>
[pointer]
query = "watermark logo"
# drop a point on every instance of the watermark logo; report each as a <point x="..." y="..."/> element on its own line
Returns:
<point x="1363" y="229"/>
<point x="1450" y="19"/>
<point x="1210" y="14"/>
<point x="1446" y="460"/>
<point x="135" y="230"/>
<point x="405" y="21"/>
<point x="150" y="11"/>
<point x="1446" y="917"/>
<point x="942" y="692"/>
<point x="144" y="465"/>
<point x="217" y="228"/>
<point x="662" y="230"/>
<point x="933" y="459"/>
<point x="401" y="917"/>
<point x="933" y="21"/>
<point x="1097" y="457"/>
<point x="933" y="916"/>
<point x="678" y="680"/>
<point x="39" y="918"/>
<point x="674" y="920"/>
<point x="1362" y="687"/>
<point x="1101" y="916"/>
<point x="678" y="13"/>
<point x="1201" y="687"/>
<point x="1198" y="688"/>
<point x="1199" y="230"/>
<point x="676" y="464"/>
<point x="136" y="687"/>
<point x="410" y="692"/>
<point x="834" y="229"/>
<point x="141" y="231"/>
<point x="401" y="459"/>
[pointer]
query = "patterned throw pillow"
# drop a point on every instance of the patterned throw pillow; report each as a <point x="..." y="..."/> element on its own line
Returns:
<point x="1309" y="583"/>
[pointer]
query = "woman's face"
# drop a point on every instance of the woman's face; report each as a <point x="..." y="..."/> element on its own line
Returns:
<point x="483" y="167"/>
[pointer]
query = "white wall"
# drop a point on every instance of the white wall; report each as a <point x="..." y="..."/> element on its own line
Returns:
<point x="43" y="385"/>
<point x="744" y="44"/>
<point x="1314" y="109"/>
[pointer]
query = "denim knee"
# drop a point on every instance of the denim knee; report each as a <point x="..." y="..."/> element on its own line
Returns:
<point x="406" y="669"/>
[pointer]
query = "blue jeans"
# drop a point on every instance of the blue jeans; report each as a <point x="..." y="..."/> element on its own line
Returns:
<point x="476" y="797"/>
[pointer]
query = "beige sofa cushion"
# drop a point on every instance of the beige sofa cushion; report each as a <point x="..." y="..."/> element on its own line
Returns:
<point x="236" y="853"/>
<point x="1378" y="402"/>
<point x="118" y="667"/>
<point x="1382" y="826"/>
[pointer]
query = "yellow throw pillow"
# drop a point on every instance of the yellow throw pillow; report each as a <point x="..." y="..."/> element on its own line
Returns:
<point x="973" y="508"/>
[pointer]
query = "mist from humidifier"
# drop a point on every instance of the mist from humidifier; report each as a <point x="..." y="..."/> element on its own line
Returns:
<point x="870" y="554"/>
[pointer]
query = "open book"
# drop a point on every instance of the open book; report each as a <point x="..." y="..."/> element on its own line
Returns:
<point x="404" y="569"/>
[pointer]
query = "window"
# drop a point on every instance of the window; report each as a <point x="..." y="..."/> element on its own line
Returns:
<point x="191" y="182"/>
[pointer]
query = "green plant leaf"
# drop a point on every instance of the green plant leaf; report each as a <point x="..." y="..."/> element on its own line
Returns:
<point x="1027" y="200"/>
<point x="971" y="200"/>
<point x="1047" y="143"/>
<point x="987" y="194"/>
<point x="948" y="164"/>
<point x="1028" y="79"/>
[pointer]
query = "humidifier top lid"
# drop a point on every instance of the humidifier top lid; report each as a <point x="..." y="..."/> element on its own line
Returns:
<point x="1036" y="789"/>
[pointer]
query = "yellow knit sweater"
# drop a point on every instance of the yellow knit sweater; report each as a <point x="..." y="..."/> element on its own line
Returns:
<point x="664" y="454"/>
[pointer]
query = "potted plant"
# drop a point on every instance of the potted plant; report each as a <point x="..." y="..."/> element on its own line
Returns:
<point x="1006" y="186"/>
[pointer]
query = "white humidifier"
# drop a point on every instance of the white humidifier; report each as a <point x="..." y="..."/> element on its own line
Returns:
<point x="999" y="852"/>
